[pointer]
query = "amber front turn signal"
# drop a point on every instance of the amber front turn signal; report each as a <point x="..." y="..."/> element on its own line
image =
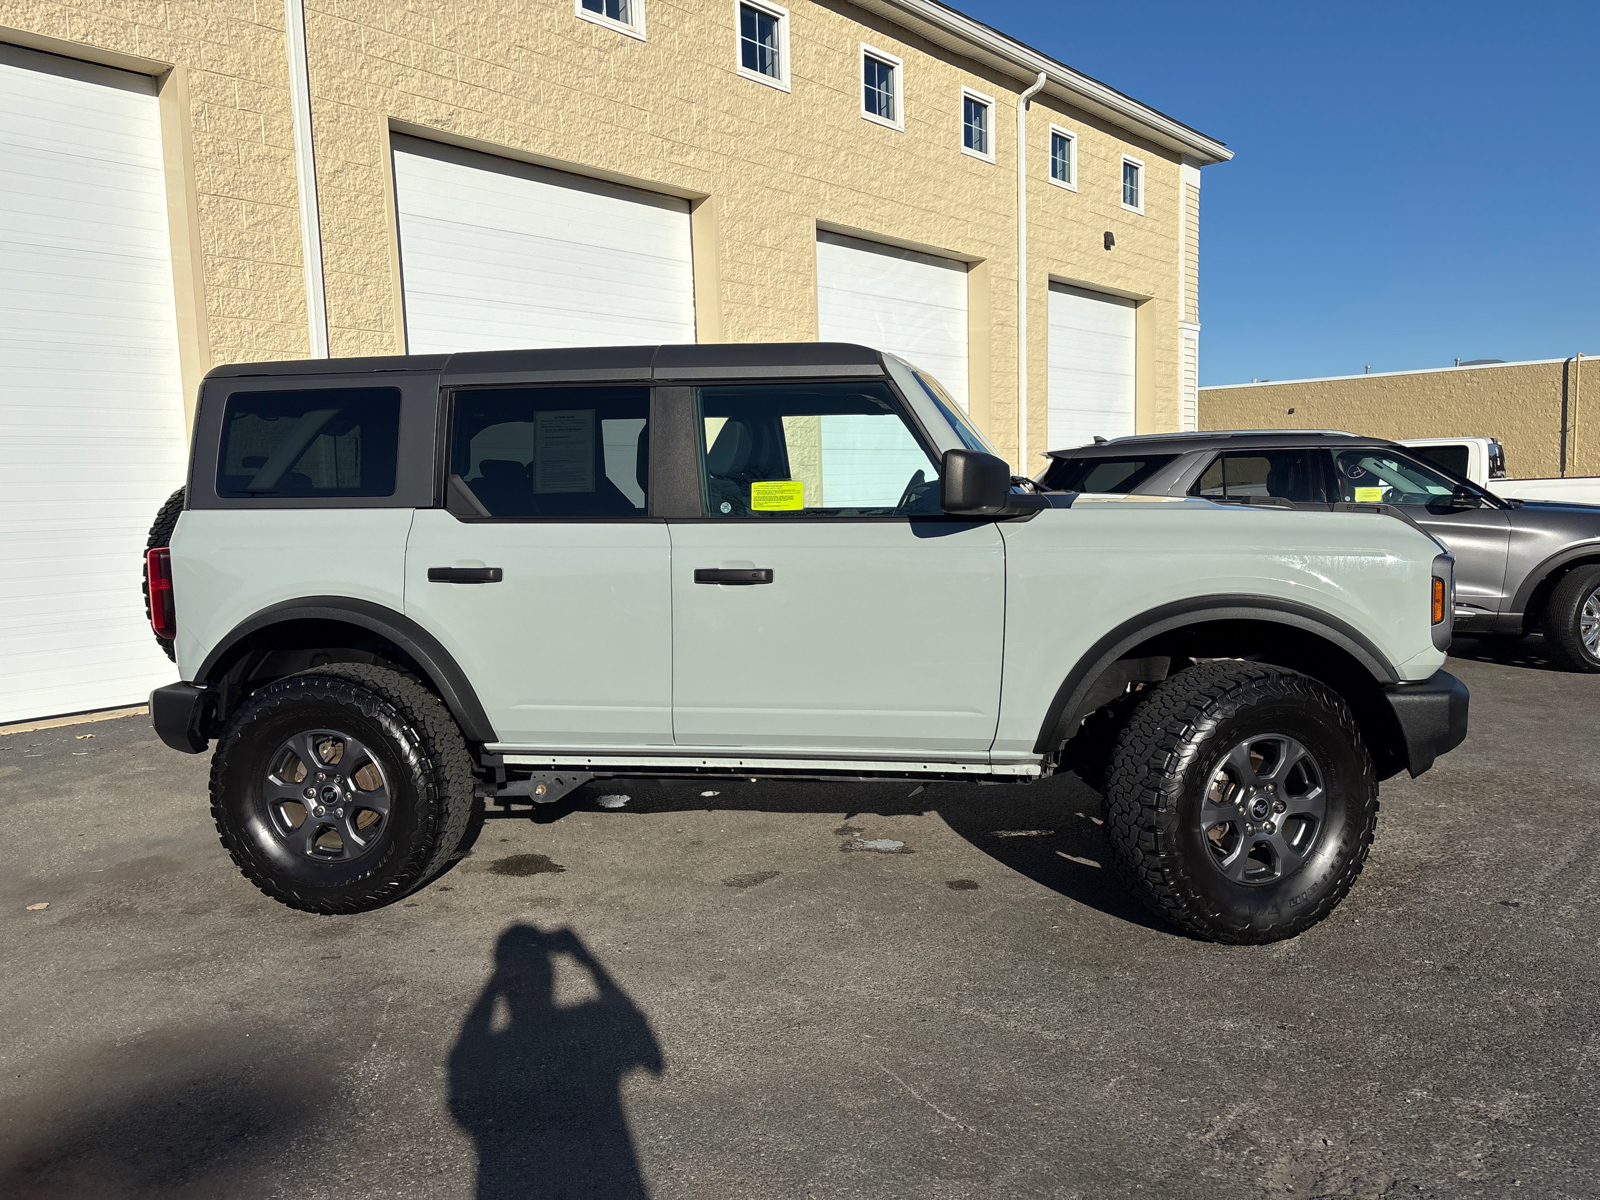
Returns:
<point x="1438" y="600"/>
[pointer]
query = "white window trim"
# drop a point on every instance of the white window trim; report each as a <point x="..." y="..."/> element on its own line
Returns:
<point x="1072" y="158"/>
<point x="961" y="124"/>
<point x="899" y="122"/>
<point x="633" y="31"/>
<point x="1143" y="182"/>
<point x="782" y="81"/>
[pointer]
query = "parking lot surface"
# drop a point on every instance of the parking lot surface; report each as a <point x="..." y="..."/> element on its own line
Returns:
<point x="804" y="990"/>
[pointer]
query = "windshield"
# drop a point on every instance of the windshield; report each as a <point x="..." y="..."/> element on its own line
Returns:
<point x="948" y="408"/>
<point x="1384" y="477"/>
<point x="1101" y="474"/>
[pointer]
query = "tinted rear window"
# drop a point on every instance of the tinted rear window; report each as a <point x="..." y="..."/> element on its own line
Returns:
<point x="1451" y="458"/>
<point x="316" y="443"/>
<point x="1100" y="474"/>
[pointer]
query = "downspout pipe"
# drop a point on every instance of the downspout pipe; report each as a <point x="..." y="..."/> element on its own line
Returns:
<point x="305" y="167"/>
<point x="1022" y="270"/>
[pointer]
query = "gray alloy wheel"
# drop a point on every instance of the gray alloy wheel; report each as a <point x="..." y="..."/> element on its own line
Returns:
<point x="1264" y="806"/>
<point x="325" y="796"/>
<point x="1589" y="623"/>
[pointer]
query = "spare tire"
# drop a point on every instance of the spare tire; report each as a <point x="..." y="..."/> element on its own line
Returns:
<point x="161" y="535"/>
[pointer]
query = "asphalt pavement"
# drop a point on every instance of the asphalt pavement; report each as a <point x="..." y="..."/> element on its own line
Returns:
<point x="804" y="990"/>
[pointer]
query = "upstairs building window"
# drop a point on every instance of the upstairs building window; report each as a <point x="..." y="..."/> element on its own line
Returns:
<point x="977" y="121"/>
<point x="625" y="16"/>
<point x="880" y="88"/>
<point x="764" y="43"/>
<point x="1132" y="184"/>
<point x="1063" y="158"/>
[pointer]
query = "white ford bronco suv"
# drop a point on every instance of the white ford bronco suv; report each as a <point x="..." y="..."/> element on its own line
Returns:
<point x="397" y="587"/>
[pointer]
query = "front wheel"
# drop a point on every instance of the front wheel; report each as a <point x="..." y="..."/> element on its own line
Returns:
<point x="1241" y="801"/>
<point x="341" y="789"/>
<point x="1572" y="621"/>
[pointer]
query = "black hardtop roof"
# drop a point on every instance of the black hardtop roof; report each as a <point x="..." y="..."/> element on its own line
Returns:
<point x="1217" y="439"/>
<point x="594" y="363"/>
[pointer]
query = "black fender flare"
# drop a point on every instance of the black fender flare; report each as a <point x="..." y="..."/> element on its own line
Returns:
<point x="425" y="649"/>
<point x="1115" y="644"/>
<point x="1536" y="577"/>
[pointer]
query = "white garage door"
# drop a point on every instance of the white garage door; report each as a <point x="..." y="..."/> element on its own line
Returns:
<point x="1091" y="366"/>
<point x="502" y="255"/>
<point x="91" y="402"/>
<point x="910" y="304"/>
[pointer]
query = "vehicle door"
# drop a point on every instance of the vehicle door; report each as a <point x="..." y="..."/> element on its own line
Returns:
<point x="1471" y="524"/>
<point x="556" y="603"/>
<point x="1296" y="477"/>
<point x="822" y="602"/>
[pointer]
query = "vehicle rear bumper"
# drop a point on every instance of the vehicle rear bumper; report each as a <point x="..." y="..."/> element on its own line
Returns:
<point x="1432" y="716"/>
<point x="178" y="712"/>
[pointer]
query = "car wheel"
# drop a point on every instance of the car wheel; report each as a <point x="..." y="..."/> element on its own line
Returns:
<point x="1241" y="801"/>
<point x="341" y="789"/>
<point x="1572" y="621"/>
<point x="161" y="530"/>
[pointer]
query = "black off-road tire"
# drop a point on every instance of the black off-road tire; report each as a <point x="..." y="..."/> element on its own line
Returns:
<point x="161" y="535"/>
<point x="1563" y="621"/>
<point x="407" y="733"/>
<point x="1164" y="762"/>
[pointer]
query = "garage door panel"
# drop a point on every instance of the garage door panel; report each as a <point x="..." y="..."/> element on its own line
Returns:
<point x="910" y="304"/>
<point x="1091" y="368"/>
<point x="91" y="401"/>
<point x="501" y="255"/>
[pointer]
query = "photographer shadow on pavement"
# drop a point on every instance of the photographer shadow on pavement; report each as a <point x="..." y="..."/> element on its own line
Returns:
<point x="538" y="1084"/>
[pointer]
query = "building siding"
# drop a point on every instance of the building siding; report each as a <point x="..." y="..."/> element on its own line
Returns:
<point x="1519" y="403"/>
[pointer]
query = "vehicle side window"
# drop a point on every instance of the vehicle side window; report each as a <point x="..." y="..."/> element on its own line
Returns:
<point x="559" y="453"/>
<point x="813" y="450"/>
<point x="1451" y="458"/>
<point x="1293" y="475"/>
<point x="315" y="442"/>
<point x="1382" y="477"/>
<point x="1102" y="475"/>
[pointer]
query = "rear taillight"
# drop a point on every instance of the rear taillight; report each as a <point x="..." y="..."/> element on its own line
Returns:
<point x="158" y="574"/>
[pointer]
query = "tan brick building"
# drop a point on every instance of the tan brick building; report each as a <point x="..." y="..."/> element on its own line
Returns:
<point x="194" y="183"/>
<point x="1536" y="409"/>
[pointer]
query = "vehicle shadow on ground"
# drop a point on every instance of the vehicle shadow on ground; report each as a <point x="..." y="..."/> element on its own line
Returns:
<point x="537" y="1081"/>
<point x="1525" y="651"/>
<point x="190" y="1113"/>
<point x="1050" y="831"/>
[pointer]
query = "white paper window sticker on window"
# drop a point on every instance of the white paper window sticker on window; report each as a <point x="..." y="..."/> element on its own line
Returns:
<point x="564" y="458"/>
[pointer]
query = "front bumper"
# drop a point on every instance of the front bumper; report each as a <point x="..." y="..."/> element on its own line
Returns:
<point x="179" y="712"/>
<point x="1432" y="716"/>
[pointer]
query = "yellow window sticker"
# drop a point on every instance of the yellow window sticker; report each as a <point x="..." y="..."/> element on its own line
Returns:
<point x="1369" y="495"/>
<point x="777" y="495"/>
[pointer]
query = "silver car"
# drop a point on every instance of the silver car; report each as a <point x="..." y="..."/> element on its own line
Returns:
<point x="1520" y="564"/>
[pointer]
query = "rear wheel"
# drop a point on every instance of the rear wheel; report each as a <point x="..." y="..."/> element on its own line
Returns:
<point x="341" y="789"/>
<point x="1241" y="801"/>
<point x="1572" y="621"/>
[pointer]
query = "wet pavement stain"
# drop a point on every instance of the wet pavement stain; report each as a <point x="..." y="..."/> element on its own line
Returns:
<point x="750" y="880"/>
<point x="525" y="864"/>
<point x="877" y="846"/>
<point x="961" y="885"/>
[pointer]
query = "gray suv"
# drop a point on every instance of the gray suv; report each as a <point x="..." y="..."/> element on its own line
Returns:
<point x="1520" y="564"/>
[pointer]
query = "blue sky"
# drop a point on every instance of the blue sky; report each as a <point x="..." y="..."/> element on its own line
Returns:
<point x="1413" y="183"/>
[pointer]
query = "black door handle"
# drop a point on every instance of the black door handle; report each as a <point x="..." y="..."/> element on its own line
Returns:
<point x="744" y="575"/>
<point x="464" y="574"/>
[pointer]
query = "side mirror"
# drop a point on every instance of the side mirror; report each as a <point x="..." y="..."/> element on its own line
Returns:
<point x="1461" y="499"/>
<point x="974" y="484"/>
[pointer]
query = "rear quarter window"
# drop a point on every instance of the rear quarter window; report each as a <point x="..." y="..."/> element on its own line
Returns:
<point x="311" y="443"/>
